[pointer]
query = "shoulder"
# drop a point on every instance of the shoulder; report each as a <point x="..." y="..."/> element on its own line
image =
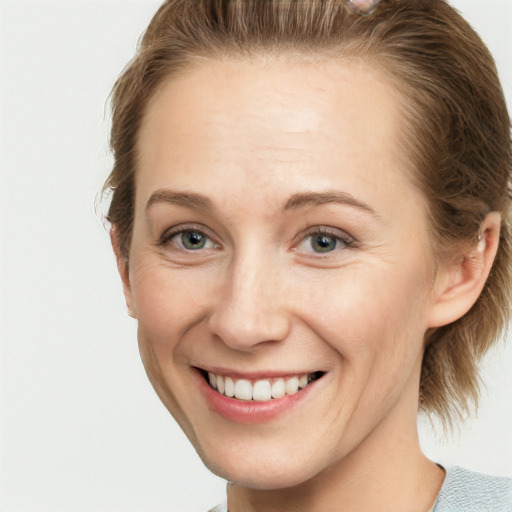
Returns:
<point x="468" y="491"/>
<point x="464" y="491"/>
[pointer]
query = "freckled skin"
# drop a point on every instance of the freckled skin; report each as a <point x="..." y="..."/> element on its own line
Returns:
<point x="248" y="136"/>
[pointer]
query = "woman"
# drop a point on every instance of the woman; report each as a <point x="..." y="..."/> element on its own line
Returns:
<point x="310" y="218"/>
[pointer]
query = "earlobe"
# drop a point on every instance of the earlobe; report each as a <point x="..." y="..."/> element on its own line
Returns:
<point x="460" y="283"/>
<point x="122" y="267"/>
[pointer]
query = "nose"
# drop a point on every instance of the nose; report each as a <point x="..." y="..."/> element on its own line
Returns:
<point x="251" y="308"/>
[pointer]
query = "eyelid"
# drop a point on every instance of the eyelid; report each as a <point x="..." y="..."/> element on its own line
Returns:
<point x="330" y="231"/>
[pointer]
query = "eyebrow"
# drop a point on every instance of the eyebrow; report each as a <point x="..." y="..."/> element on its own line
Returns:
<point x="295" y="202"/>
<point x="304" y="199"/>
<point x="186" y="199"/>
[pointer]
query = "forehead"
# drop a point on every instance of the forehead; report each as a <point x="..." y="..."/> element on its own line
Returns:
<point x="257" y="119"/>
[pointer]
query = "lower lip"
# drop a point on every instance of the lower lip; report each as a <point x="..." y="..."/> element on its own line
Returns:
<point x="252" y="411"/>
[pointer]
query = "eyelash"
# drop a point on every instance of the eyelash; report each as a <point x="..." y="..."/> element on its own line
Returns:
<point x="338" y="236"/>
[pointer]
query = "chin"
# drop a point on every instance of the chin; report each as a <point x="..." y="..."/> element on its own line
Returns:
<point x="266" y="471"/>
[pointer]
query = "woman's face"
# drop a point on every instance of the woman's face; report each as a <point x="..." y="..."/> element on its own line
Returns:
<point x="278" y="243"/>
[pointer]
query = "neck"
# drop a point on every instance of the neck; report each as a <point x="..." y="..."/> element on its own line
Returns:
<point x="387" y="471"/>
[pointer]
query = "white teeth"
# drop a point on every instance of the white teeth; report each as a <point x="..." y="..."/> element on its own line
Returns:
<point x="278" y="389"/>
<point x="262" y="391"/>
<point x="220" y="384"/>
<point x="292" y="386"/>
<point x="229" y="387"/>
<point x="243" y="390"/>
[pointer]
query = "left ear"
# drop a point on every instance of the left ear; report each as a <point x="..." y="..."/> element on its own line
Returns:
<point x="459" y="283"/>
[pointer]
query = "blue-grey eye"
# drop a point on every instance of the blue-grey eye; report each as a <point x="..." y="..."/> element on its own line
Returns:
<point x="193" y="240"/>
<point x="323" y="242"/>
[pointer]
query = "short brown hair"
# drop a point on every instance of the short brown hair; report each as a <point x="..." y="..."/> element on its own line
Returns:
<point x="457" y="132"/>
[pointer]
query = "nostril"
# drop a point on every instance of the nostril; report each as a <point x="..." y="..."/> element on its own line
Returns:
<point x="245" y="330"/>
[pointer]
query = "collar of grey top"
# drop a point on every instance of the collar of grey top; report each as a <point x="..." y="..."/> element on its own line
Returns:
<point x="464" y="491"/>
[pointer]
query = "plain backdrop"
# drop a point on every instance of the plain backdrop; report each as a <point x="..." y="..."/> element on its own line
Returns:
<point x="81" y="428"/>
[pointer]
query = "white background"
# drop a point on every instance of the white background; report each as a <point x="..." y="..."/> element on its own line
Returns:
<point x="81" y="428"/>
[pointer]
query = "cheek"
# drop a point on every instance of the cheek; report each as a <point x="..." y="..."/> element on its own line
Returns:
<point x="167" y="301"/>
<point x="376" y="327"/>
<point x="370" y="316"/>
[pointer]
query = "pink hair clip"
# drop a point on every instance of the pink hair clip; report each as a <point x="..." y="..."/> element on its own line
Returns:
<point x="362" y="7"/>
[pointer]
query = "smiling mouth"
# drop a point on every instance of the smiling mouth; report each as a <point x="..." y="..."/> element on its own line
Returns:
<point x="261" y="390"/>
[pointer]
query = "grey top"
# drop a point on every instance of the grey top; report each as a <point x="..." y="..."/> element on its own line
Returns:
<point x="464" y="491"/>
<point x="467" y="491"/>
